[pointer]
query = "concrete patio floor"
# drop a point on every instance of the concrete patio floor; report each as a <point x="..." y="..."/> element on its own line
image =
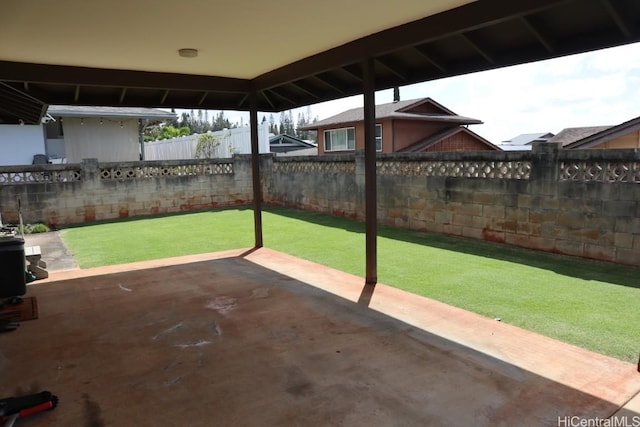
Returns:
<point x="260" y="338"/>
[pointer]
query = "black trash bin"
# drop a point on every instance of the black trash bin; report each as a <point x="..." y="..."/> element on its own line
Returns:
<point x="12" y="267"/>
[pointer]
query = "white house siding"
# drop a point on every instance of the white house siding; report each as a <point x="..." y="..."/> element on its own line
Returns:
<point x="18" y="144"/>
<point x="113" y="140"/>
<point x="232" y="141"/>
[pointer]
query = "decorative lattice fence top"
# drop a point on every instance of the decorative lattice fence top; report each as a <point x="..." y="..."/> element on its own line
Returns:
<point x="600" y="171"/>
<point x="151" y="171"/>
<point x="40" y="176"/>
<point x="461" y="169"/>
<point x="315" y="167"/>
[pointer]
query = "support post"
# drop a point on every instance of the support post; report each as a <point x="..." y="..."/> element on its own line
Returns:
<point x="255" y="169"/>
<point x="370" y="198"/>
<point x="141" y="122"/>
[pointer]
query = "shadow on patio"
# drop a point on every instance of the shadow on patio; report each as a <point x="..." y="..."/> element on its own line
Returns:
<point x="262" y="338"/>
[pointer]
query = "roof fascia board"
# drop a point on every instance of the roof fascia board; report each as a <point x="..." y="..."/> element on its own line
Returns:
<point x="427" y="101"/>
<point x="85" y="76"/>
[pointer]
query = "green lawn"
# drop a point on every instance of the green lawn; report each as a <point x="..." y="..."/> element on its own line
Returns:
<point x="587" y="303"/>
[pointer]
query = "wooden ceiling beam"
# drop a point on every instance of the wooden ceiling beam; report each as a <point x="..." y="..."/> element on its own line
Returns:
<point x="325" y="82"/>
<point x="619" y="20"/>
<point x="281" y="96"/>
<point x="123" y="93"/>
<point x="243" y="100"/>
<point x="164" y="97"/>
<point x="301" y="87"/>
<point x="474" y="45"/>
<point x="430" y="59"/>
<point x="202" y="98"/>
<point x="264" y="95"/>
<point x="542" y="39"/>
<point x="392" y="69"/>
<point x="353" y="74"/>
<point x="85" y="76"/>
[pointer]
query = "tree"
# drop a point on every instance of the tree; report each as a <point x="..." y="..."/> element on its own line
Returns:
<point x="302" y="122"/>
<point x="291" y="129"/>
<point x="221" y="122"/>
<point x="272" y="125"/>
<point x="206" y="147"/>
<point x="304" y="119"/>
<point x="173" y="122"/>
<point x="286" y="123"/>
<point x="155" y="132"/>
<point x="185" y="120"/>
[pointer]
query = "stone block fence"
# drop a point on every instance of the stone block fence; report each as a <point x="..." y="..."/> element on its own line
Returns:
<point x="576" y="202"/>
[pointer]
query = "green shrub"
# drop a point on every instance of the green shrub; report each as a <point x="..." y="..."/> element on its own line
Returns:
<point x="207" y="144"/>
<point x="39" y="228"/>
<point x="33" y="228"/>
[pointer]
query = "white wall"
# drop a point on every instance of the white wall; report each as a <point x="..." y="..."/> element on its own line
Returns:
<point x="18" y="144"/>
<point x="55" y="148"/>
<point x="108" y="140"/>
<point x="232" y="141"/>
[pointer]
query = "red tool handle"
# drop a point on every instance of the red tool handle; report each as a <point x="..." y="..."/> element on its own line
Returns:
<point x="35" y="409"/>
<point x="30" y="411"/>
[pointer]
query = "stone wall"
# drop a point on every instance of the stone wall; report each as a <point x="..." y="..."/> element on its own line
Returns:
<point x="85" y="192"/>
<point x="575" y="202"/>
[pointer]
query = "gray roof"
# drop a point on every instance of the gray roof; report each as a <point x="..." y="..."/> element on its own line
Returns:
<point x="570" y="135"/>
<point x="284" y="143"/>
<point x="120" y="112"/>
<point x="528" y="138"/>
<point x="396" y="110"/>
<point x="513" y="147"/>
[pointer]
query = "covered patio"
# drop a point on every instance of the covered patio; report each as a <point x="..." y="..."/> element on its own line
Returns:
<point x="256" y="337"/>
<point x="252" y="336"/>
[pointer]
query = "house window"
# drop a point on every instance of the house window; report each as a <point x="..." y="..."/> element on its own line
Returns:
<point x="340" y="139"/>
<point x="378" y="137"/>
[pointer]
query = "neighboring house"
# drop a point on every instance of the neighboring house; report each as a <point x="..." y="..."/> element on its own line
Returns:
<point x="405" y="126"/>
<point x="524" y="141"/>
<point x="20" y="143"/>
<point x="109" y="134"/>
<point x="624" y="135"/>
<point x="70" y="134"/>
<point x="568" y="136"/>
<point x="286" y="144"/>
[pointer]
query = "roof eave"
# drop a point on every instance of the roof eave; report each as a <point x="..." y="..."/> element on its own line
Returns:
<point x="606" y="135"/>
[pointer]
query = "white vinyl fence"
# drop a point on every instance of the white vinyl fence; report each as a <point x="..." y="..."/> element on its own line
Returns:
<point x="232" y="141"/>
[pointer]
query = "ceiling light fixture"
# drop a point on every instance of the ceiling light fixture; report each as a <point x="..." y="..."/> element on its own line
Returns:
<point x="188" y="53"/>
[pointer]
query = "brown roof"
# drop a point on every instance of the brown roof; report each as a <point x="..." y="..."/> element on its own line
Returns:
<point x="570" y="135"/>
<point x="434" y="139"/>
<point x="401" y="110"/>
<point x="606" y="134"/>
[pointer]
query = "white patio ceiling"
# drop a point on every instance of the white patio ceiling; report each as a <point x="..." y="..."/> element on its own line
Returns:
<point x="235" y="38"/>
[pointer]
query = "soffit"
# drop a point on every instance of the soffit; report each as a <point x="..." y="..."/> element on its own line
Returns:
<point x="288" y="53"/>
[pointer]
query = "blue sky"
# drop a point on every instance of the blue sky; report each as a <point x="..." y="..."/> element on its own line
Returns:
<point x="591" y="89"/>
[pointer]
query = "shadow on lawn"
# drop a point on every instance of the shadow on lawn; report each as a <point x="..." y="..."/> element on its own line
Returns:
<point x="154" y="216"/>
<point x="581" y="268"/>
